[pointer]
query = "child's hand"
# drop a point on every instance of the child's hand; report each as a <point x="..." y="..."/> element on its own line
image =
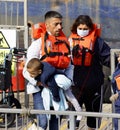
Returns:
<point x="114" y="97"/>
<point x="39" y="83"/>
<point x="46" y="86"/>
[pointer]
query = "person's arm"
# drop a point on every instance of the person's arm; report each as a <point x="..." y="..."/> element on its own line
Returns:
<point x="28" y="77"/>
<point x="48" y="71"/>
<point x="103" y="51"/>
<point x="32" y="52"/>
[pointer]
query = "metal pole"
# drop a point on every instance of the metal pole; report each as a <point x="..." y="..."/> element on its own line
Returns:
<point x="26" y="45"/>
<point x="25" y="25"/>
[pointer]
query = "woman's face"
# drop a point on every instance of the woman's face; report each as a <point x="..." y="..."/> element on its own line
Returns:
<point x="83" y="30"/>
<point x="83" y="27"/>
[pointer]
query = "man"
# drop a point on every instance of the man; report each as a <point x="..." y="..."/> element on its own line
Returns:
<point x="51" y="47"/>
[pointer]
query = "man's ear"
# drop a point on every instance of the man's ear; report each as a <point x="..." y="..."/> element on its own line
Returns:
<point x="47" y="22"/>
<point x="47" y="25"/>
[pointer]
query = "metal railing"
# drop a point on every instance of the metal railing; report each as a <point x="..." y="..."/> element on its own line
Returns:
<point x="27" y="113"/>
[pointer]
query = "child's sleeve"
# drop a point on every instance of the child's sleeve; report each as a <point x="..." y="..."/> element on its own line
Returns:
<point x="48" y="71"/>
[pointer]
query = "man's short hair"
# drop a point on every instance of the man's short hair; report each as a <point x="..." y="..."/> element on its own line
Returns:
<point x="52" y="14"/>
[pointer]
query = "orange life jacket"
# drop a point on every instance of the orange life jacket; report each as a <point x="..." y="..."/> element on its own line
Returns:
<point x="37" y="29"/>
<point x="83" y="48"/>
<point x="56" y="50"/>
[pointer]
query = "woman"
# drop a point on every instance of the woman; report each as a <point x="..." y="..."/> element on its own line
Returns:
<point x="89" y="54"/>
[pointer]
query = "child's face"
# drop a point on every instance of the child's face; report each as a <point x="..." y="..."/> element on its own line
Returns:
<point x="34" y="73"/>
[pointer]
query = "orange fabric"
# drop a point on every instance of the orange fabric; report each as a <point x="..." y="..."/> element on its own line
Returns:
<point x="86" y="42"/>
<point x="117" y="79"/>
<point x="19" y="82"/>
<point x="62" y="61"/>
<point x="37" y="29"/>
<point x="58" y="61"/>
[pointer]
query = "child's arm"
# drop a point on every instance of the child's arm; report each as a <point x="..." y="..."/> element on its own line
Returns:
<point x="47" y="72"/>
<point x="39" y="83"/>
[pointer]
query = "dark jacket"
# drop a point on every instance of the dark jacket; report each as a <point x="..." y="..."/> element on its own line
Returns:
<point x="92" y="77"/>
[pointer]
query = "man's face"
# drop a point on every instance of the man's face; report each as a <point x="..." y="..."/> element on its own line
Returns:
<point x="54" y="26"/>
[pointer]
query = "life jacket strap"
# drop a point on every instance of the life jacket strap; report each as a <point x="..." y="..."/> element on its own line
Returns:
<point x="52" y="54"/>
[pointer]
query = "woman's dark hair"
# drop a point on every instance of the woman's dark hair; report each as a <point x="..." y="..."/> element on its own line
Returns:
<point x="82" y="19"/>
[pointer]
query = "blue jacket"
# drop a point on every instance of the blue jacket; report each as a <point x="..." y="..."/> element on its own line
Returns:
<point x="48" y="71"/>
<point x="117" y="72"/>
<point x="47" y="78"/>
<point x="114" y="85"/>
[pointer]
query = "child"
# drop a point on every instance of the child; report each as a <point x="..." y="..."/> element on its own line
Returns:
<point x="116" y="96"/>
<point x="43" y="72"/>
<point x="46" y="75"/>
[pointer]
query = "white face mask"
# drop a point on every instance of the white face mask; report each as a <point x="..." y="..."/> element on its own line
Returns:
<point x="82" y="33"/>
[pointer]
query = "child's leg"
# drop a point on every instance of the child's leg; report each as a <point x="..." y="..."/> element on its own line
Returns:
<point x="54" y="89"/>
<point x="65" y="83"/>
<point x="62" y="81"/>
<point x="71" y="98"/>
